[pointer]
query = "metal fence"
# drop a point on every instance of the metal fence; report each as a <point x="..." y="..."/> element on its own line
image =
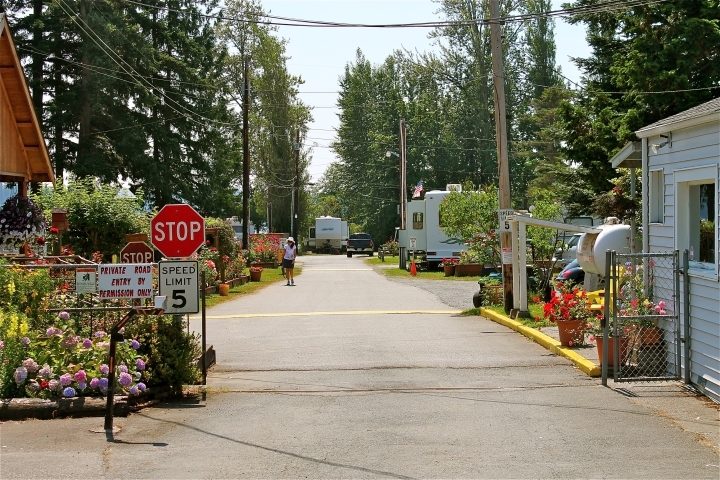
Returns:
<point x="89" y="310"/>
<point x="644" y="312"/>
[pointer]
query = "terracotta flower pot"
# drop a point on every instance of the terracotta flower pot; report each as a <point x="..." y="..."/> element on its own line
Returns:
<point x="572" y="332"/>
<point x="255" y="275"/>
<point x="611" y="349"/>
<point x="468" y="270"/>
<point x="224" y="289"/>
<point x="449" y="270"/>
<point x="649" y="335"/>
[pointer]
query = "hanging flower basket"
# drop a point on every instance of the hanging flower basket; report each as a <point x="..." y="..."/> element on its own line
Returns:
<point x="21" y="221"/>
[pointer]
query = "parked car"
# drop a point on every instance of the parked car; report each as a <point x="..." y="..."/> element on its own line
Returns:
<point x="566" y="255"/>
<point x="572" y="272"/>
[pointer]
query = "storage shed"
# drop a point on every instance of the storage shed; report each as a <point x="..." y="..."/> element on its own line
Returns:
<point x="23" y="154"/>
<point x="681" y="206"/>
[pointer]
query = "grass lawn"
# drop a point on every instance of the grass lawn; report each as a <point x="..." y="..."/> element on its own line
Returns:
<point x="535" y="309"/>
<point x="395" y="271"/>
<point x="269" y="276"/>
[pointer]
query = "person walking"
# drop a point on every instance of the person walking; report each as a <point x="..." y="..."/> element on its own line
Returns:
<point x="288" y="262"/>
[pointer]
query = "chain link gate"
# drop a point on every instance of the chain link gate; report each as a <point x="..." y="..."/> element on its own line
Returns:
<point x="643" y="307"/>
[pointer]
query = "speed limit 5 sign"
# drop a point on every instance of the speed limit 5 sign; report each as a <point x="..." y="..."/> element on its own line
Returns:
<point x="179" y="283"/>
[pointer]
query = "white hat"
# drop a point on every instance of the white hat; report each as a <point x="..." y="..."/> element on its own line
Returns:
<point x="290" y="239"/>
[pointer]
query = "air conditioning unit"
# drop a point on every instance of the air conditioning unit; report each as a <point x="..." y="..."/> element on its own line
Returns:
<point x="453" y="187"/>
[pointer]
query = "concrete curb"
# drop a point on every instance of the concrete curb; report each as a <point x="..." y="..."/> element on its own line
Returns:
<point x="46" y="409"/>
<point x="587" y="366"/>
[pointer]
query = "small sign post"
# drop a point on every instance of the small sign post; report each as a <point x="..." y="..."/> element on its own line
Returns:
<point x="502" y="217"/>
<point x="179" y="283"/>
<point x="85" y="280"/>
<point x="124" y="281"/>
<point x="177" y="230"/>
<point x="136" y="252"/>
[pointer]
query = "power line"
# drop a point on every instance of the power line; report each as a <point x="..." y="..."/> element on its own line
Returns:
<point x="275" y="20"/>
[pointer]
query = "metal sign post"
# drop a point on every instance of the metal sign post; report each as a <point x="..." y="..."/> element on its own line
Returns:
<point x="115" y="335"/>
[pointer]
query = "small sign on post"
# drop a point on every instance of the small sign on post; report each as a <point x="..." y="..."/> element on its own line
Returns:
<point x="179" y="283"/>
<point x="86" y="280"/>
<point x="124" y="281"/>
<point x="502" y="217"/>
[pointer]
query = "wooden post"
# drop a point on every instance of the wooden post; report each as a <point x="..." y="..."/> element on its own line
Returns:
<point x="246" y="152"/>
<point x="501" y="136"/>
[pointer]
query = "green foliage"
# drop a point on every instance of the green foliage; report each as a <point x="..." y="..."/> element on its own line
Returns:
<point x="13" y="327"/>
<point x="171" y="351"/>
<point x="228" y="244"/>
<point x="472" y="216"/>
<point x="660" y="47"/>
<point x="24" y="290"/>
<point x="58" y="358"/>
<point x="98" y="219"/>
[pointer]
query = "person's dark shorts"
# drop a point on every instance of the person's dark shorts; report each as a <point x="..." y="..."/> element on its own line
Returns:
<point x="287" y="263"/>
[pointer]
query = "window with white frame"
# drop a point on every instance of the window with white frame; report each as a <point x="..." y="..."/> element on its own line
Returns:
<point x="696" y="214"/>
<point x="656" y="200"/>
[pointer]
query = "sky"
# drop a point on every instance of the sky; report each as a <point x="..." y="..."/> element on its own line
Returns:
<point x="319" y="55"/>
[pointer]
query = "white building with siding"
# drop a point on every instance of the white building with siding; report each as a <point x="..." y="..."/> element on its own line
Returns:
<point x="681" y="207"/>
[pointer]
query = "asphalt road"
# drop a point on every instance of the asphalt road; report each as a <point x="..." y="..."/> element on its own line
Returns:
<point x="353" y="375"/>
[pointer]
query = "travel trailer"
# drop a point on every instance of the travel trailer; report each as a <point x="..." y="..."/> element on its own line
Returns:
<point x="423" y="237"/>
<point x="237" y="225"/>
<point x="328" y="233"/>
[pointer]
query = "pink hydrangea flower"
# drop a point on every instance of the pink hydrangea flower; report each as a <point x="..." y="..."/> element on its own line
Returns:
<point x="65" y="379"/>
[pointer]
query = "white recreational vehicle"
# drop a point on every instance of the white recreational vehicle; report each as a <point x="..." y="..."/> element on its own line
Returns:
<point x="423" y="236"/>
<point x="327" y="234"/>
<point x="237" y="225"/>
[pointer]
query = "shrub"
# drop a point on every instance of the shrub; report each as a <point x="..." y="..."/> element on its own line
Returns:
<point x="24" y="290"/>
<point x="14" y="329"/>
<point x="172" y="353"/>
<point x="61" y="363"/>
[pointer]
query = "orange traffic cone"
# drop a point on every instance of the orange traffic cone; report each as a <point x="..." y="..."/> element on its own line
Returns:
<point x="413" y="270"/>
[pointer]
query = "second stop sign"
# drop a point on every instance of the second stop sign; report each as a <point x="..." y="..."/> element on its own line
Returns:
<point x="177" y="230"/>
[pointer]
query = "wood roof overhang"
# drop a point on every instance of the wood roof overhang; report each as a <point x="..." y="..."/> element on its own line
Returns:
<point x="36" y="166"/>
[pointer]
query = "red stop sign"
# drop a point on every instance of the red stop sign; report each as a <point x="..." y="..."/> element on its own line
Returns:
<point x="177" y="230"/>
<point x="136" y="252"/>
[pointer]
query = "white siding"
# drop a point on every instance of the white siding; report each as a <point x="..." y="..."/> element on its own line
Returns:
<point x="694" y="147"/>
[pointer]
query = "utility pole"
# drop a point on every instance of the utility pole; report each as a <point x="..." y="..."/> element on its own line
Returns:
<point x="246" y="153"/>
<point x="403" y="178"/>
<point x="297" y="185"/>
<point x="502" y="149"/>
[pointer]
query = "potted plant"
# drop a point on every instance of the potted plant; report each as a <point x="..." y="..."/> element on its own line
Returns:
<point x="643" y="324"/>
<point x="255" y="273"/>
<point x="469" y="264"/>
<point x="491" y="291"/>
<point x="621" y="341"/>
<point x="448" y="265"/>
<point x="569" y="309"/>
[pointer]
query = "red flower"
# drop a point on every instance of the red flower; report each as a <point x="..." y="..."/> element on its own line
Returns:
<point x="213" y="249"/>
<point x="536" y="299"/>
<point x="44" y="384"/>
<point x="54" y="231"/>
<point x="40" y="241"/>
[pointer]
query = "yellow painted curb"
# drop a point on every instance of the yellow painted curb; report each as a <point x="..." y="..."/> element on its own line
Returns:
<point x="588" y="367"/>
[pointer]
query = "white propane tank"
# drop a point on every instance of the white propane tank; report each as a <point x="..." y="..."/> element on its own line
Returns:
<point x="592" y="247"/>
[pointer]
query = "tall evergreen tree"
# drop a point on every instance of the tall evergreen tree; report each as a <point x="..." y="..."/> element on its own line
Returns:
<point x="648" y="62"/>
